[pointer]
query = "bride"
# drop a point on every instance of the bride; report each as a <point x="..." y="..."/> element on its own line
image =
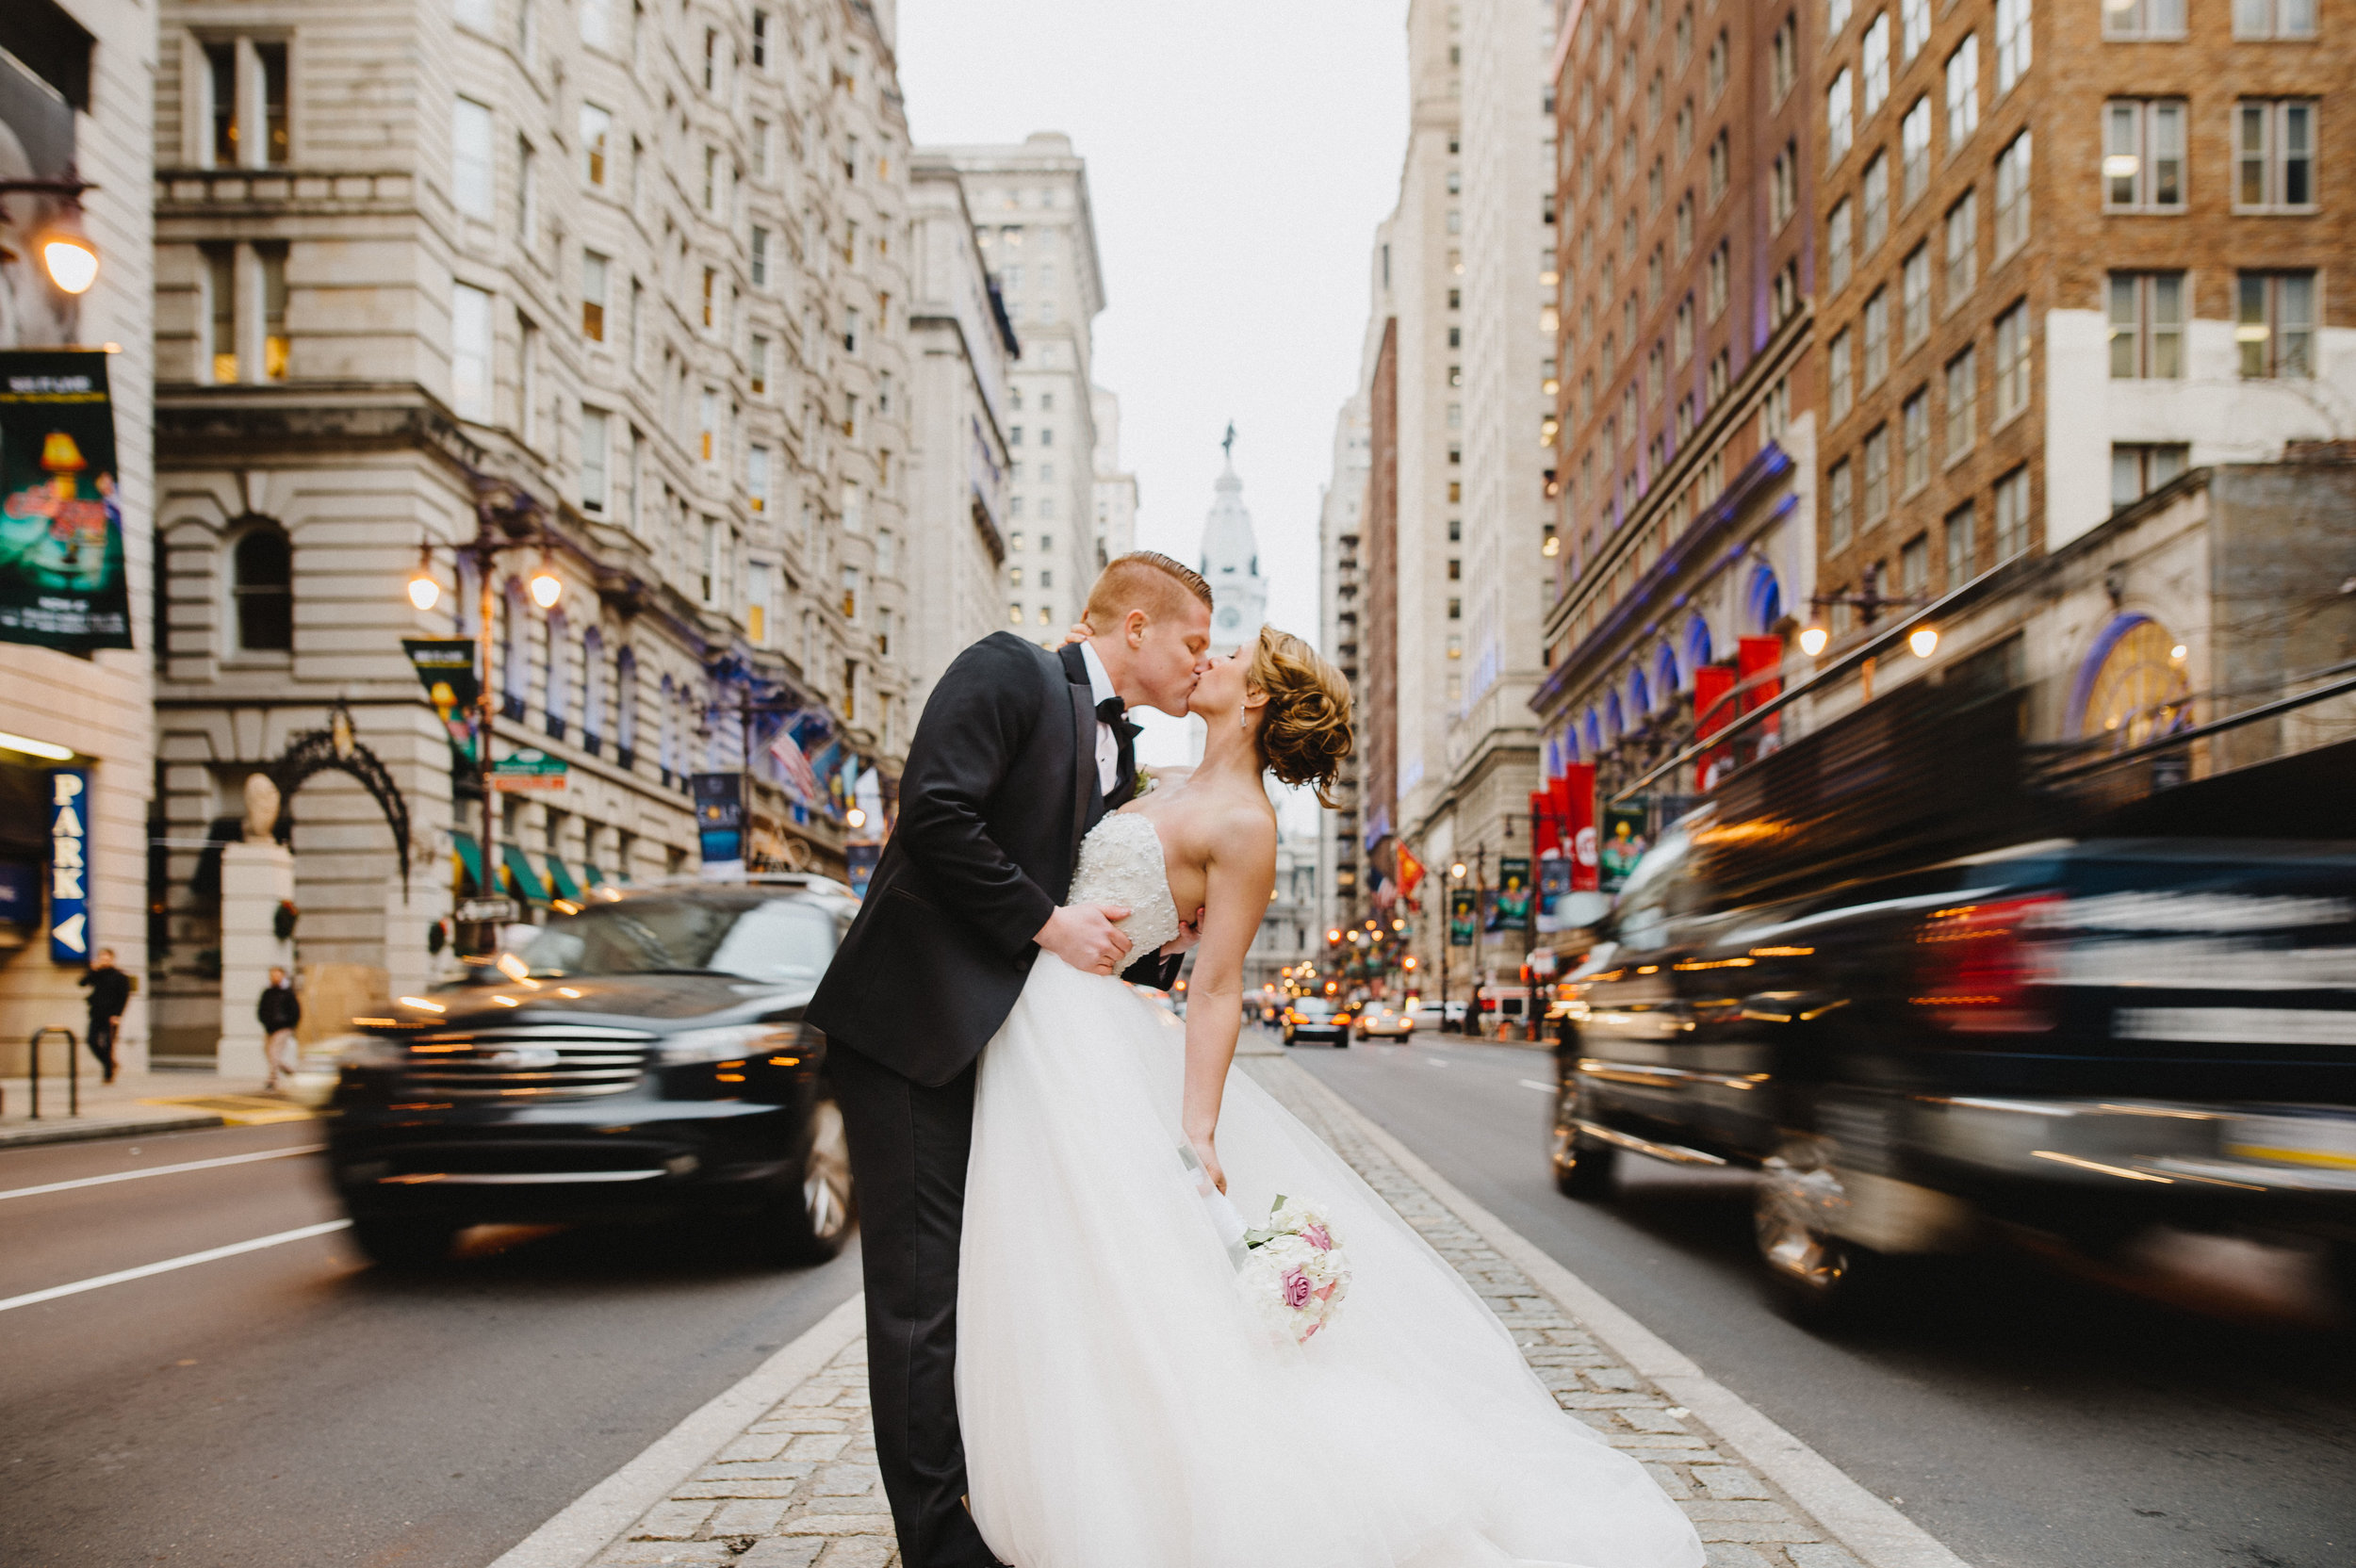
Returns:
<point x="1121" y="1407"/>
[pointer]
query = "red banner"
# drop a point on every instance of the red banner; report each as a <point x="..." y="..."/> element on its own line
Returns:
<point x="1575" y="803"/>
<point x="1757" y="658"/>
<point x="1410" y="872"/>
<point x="1711" y="682"/>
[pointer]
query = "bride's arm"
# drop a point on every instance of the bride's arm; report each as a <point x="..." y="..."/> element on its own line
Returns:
<point x="1238" y="877"/>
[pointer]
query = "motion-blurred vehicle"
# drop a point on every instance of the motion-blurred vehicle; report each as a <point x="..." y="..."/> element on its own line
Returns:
<point x="1385" y="1023"/>
<point x="2082" y="1033"/>
<point x="643" y="1058"/>
<point x="1504" y="1008"/>
<point x="1431" y="1015"/>
<point x="1314" y="1018"/>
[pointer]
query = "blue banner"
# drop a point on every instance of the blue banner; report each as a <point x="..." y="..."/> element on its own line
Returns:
<point x="69" y="866"/>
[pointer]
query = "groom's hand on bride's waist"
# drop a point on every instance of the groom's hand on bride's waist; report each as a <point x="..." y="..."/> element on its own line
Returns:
<point x="1084" y="936"/>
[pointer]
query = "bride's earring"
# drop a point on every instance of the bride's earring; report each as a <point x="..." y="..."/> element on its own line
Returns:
<point x="1243" y="717"/>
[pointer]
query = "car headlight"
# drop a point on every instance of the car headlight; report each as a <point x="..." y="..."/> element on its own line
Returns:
<point x="366" y="1052"/>
<point x="724" y="1044"/>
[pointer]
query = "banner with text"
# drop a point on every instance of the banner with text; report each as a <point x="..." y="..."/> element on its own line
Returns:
<point x="62" y="580"/>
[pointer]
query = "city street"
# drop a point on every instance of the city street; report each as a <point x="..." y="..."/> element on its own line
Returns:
<point x="291" y="1405"/>
<point x="2025" y="1419"/>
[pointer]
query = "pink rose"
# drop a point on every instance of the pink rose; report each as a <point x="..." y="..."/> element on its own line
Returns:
<point x="1297" y="1289"/>
<point x="1316" y="1236"/>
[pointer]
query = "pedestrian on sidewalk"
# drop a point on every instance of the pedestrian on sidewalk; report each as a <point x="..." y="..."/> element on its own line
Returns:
<point x="109" y="993"/>
<point x="279" y="1011"/>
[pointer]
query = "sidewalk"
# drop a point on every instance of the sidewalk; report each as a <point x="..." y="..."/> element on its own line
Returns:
<point x="796" y="1486"/>
<point x="135" y="1104"/>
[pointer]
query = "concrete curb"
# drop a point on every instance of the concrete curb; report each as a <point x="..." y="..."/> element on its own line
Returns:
<point x="599" y="1515"/>
<point x="1878" y="1534"/>
<point x="80" y="1131"/>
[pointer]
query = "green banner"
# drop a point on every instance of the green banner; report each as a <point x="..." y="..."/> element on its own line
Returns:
<point x="1464" y="906"/>
<point x="1510" y="909"/>
<point x="445" y="668"/>
<point x="1623" y="843"/>
<point x="62" y="581"/>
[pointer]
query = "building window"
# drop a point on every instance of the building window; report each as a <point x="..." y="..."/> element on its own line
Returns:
<point x="1963" y="551"/>
<point x="2012" y="196"/>
<point x="1963" y="234"/>
<point x="2262" y="19"/>
<point x="2274" y="155"/>
<point x="756" y="366"/>
<point x="1840" y="521"/>
<point x="1914" y="565"/>
<point x="1681" y="336"/>
<point x="2147" y="325"/>
<point x="1876" y="460"/>
<point x="238" y="71"/>
<point x="1685" y="225"/>
<point x="1721" y="156"/>
<point x="1963" y="92"/>
<point x="261" y="588"/>
<point x="1914" y="149"/>
<point x="1836" y="17"/>
<point x="1876" y="330"/>
<point x="1783" y="191"/>
<point x="1873" y="197"/>
<point x="2274" y="323"/>
<point x="757" y="477"/>
<point x="760" y="257"/>
<point x="2012" y="362"/>
<point x="1719" y="53"/>
<point x="1841" y="392"/>
<point x="1714" y="283"/>
<point x="1783" y="60"/>
<point x="1914" y="26"/>
<point x="2143" y="19"/>
<point x="221" y="314"/>
<point x="2138" y="469"/>
<point x="2012" y="42"/>
<point x="593" y="274"/>
<point x="1914" y="290"/>
<point x="1963" y="404"/>
<point x="1721" y="375"/>
<point x="1840" y="117"/>
<point x="1914" y="439"/>
<point x="2143" y="155"/>
<point x="1014" y="614"/>
<point x="596" y="126"/>
<point x="1876" y="64"/>
<point x="1838" y="249"/>
<point x="526" y="196"/>
<point x="2012" y="514"/>
<point x="470" y="353"/>
<point x="594" y="438"/>
<point x="470" y="158"/>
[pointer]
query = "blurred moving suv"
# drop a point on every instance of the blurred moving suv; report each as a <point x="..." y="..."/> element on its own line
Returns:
<point x="642" y="1059"/>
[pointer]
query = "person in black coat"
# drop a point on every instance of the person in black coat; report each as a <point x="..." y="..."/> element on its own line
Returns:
<point x="280" y="1010"/>
<point x="1019" y="752"/>
<point x="109" y="994"/>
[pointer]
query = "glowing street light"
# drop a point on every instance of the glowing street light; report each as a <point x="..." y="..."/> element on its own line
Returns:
<point x="67" y="253"/>
<point x="856" y="817"/>
<point x="547" y="588"/>
<point x="1814" y="639"/>
<point x="1456" y="870"/>
<point x="1924" y="642"/>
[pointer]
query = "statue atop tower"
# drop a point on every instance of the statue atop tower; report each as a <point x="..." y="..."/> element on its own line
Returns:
<point x="1230" y="560"/>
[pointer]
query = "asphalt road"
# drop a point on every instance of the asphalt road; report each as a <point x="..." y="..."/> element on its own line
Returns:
<point x="293" y="1405"/>
<point x="2200" y="1411"/>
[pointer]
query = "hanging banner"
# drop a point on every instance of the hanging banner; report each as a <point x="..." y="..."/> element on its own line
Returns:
<point x="69" y="866"/>
<point x="1554" y="886"/>
<point x="1623" y="843"/>
<point x="720" y="823"/>
<point x="1463" y="913"/>
<point x="860" y="864"/>
<point x="62" y="580"/>
<point x="445" y="667"/>
<point x="1576" y="791"/>
<point x="1510" y="909"/>
<point x="1756" y="660"/>
<point x="1713" y="710"/>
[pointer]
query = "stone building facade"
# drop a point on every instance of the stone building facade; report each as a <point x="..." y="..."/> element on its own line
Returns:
<point x="87" y="63"/>
<point x="649" y="266"/>
<point x="1344" y="509"/>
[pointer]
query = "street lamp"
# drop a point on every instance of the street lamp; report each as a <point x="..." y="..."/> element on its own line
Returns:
<point x="67" y="253"/>
<point x="547" y="587"/>
<point x="1869" y="601"/>
<point x="1923" y="642"/>
<point x="1814" y="639"/>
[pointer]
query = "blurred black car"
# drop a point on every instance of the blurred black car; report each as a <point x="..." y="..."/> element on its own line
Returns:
<point x="642" y="1059"/>
<point x="1312" y="1018"/>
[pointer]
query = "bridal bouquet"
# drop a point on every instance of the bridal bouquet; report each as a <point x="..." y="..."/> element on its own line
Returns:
<point x="1293" y="1272"/>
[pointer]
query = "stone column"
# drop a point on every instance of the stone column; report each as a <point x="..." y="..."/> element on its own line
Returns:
<point x="254" y="879"/>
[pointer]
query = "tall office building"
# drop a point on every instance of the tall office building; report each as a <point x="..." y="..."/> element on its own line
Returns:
<point x="1116" y="486"/>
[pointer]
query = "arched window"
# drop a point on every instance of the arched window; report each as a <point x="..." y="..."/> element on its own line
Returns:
<point x="560" y="701"/>
<point x="667" y="745"/>
<point x="626" y="706"/>
<point x="515" y="658"/>
<point x="1665" y="679"/>
<point x="1614" y="726"/>
<point x="2132" y="687"/>
<point x="593" y="725"/>
<point x="1764" y="599"/>
<point x="1696" y="642"/>
<point x="1639" y="696"/>
<point x="1594" y="727"/>
<point x="261" y="589"/>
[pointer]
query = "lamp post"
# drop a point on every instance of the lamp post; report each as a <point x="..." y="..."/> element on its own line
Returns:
<point x="1869" y="601"/>
<point x="67" y="253"/>
<point x="1447" y="940"/>
<point x="506" y="518"/>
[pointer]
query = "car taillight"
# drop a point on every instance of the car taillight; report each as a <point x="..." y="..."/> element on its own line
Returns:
<point x="1983" y="968"/>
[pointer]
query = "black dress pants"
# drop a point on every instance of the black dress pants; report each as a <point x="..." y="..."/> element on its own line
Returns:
<point x="909" y="1148"/>
<point x="102" y="1044"/>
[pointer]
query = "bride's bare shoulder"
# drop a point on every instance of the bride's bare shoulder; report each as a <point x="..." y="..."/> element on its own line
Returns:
<point x="1171" y="777"/>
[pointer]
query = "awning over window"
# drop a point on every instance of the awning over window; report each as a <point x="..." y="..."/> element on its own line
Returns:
<point x="561" y="878"/>
<point x="470" y="856"/>
<point x="521" y="876"/>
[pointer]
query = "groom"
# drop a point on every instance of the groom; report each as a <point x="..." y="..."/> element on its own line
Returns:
<point x="1019" y="753"/>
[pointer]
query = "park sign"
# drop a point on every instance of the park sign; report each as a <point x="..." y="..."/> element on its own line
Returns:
<point x="529" y="770"/>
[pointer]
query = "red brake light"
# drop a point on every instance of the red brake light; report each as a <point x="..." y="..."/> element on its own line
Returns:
<point x="1984" y="969"/>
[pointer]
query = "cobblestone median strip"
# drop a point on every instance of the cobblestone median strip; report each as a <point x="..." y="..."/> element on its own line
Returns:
<point x="798" y="1488"/>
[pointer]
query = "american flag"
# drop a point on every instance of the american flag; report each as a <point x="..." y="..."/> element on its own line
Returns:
<point x="799" y="781"/>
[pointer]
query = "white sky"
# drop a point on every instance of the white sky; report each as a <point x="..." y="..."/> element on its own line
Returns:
<point x="1239" y="156"/>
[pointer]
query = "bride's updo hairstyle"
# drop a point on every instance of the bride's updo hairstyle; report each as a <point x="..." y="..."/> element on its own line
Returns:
<point x="1304" y="730"/>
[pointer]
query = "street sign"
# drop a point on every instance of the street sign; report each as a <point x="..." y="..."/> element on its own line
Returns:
<point x="529" y="770"/>
<point x="475" y="912"/>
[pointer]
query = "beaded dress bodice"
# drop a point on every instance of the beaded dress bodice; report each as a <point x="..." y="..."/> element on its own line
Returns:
<point x="1121" y="863"/>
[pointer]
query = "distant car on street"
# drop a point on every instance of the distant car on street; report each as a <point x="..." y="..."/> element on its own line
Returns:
<point x="643" y="1058"/>
<point x="1385" y="1023"/>
<point x="1314" y="1018"/>
<point x="1429" y="1015"/>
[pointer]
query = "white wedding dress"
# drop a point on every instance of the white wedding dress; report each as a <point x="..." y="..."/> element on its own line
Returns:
<point x="1121" y="1407"/>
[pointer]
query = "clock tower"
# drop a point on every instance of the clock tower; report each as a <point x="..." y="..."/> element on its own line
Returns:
<point x="1231" y="562"/>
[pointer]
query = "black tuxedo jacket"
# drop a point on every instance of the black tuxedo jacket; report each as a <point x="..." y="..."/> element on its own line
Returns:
<point x="1001" y="784"/>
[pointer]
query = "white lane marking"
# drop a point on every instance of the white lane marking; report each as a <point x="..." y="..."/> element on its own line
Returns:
<point x="161" y="1170"/>
<point x="1878" y="1534"/>
<point x="589" y="1525"/>
<point x="1542" y="1088"/>
<point x="209" y="1254"/>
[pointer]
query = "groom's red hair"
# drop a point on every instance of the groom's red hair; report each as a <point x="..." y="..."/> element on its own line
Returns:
<point x="1147" y="580"/>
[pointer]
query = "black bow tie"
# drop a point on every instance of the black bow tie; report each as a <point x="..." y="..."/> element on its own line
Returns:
<point x="1112" y="712"/>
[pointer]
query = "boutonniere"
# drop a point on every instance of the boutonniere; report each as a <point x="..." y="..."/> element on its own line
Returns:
<point x="1144" y="785"/>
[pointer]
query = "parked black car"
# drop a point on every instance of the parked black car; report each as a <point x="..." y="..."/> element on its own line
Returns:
<point x="642" y="1059"/>
<point x="2080" y="1035"/>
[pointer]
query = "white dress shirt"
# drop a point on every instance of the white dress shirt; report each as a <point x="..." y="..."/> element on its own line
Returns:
<point x="1107" y="744"/>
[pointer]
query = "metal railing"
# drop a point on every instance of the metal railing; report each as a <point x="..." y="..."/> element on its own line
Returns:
<point x="32" y="1071"/>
